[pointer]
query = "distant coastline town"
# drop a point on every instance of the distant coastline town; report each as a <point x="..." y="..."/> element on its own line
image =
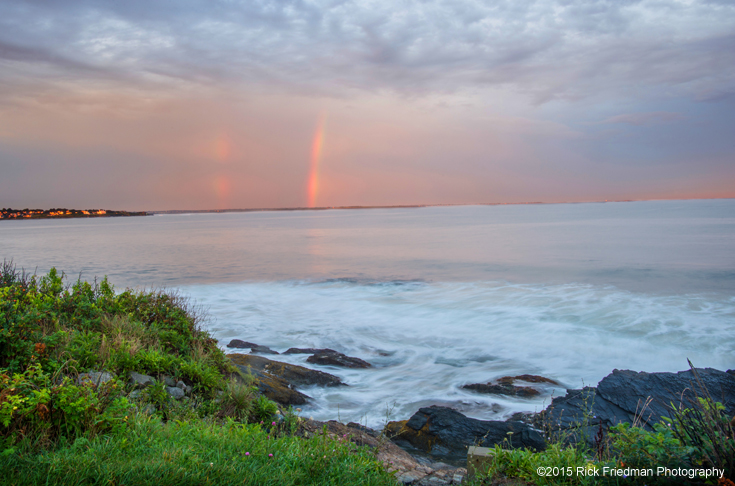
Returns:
<point x="8" y="213"/>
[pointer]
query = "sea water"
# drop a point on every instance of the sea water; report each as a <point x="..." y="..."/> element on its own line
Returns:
<point x="434" y="298"/>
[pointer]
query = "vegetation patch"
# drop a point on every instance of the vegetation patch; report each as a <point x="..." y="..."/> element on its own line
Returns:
<point x="100" y="387"/>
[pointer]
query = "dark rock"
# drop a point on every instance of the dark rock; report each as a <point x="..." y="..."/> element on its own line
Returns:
<point x="97" y="378"/>
<point x="579" y="414"/>
<point x="240" y="344"/>
<point x="337" y="359"/>
<point x="254" y="348"/>
<point x="625" y="395"/>
<point x="509" y="380"/>
<point x="503" y="389"/>
<point x="362" y="428"/>
<point x="506" y="386"/>
<point x="294" y="374"/>
<point x="630" y="390"/>
<point x="308" y="350"/>
<point x="175" y="392"/>
<point x="446" y="433"/>
<point x="276" y="389"/>
<point x="140" y="381"/>
<point x="262" y="350"/>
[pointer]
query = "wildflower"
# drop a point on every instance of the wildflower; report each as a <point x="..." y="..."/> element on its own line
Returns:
<point x="270" y="455"/>
<point x="247" y="453"/>
<point x="273" y="423"/>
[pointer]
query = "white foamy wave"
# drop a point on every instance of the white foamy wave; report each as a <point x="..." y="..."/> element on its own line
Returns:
<point x="426" y="340"/>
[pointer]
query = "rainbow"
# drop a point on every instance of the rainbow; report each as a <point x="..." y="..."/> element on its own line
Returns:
<point x="312" y="185"/>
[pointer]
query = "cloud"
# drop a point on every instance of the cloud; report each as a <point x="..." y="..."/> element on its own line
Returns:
<point x="549" y="49"/>
<point x="640" y="119"/>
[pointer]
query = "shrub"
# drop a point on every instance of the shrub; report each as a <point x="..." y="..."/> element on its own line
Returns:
<point x="263" y="409"/>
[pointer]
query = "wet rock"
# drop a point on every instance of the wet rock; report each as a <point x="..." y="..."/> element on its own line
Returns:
<point x="141" y="381"/>
<point x="294" y="374"/>
<point x="628" y="390"/>
<point x="175" y="392"/>
<point x="445" y="433"/>
<point x="527" y="378"/>
<point x="506" y="386"/>
<point x="623" y="395"/>
<point x="273" y="387"/>
<point x="503" y="389"/>
<point x="254" y="348"/>
<point x="308" y="350"/>
<point x="582" y="412"/>
<point x="337" y="359"/>
<point x="97" y="378"/>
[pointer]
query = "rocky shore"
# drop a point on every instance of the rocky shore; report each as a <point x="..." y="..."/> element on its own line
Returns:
<point x="430" y="447"/>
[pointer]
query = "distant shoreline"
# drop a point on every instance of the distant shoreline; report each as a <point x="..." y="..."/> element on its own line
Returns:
<point x="9" y="214"/>
<point x="63" y="213"/>
<point x="410" y="206"/>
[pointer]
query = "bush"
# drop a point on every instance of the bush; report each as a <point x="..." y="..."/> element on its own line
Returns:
<point x="56" y="429"/>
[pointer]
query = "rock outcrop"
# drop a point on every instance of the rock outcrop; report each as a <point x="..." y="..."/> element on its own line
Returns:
<point x="506" y="386"/>
<point x="273" y="387"/>
<point x="254" y="348"/>
<point x="141" y="381"/>
<point x="96" y="378"/>
<point x="333" y="358"/>
<point x="308" y="350"/>
<point x="624" y="396"/>
<point x="445" y="433"/>
<point x="294" y="374"/>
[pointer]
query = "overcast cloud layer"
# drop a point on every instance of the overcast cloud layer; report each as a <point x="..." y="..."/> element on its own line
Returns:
<point x="201" y="104"/>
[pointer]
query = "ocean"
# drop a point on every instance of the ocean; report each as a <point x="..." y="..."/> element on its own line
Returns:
<point x="433" y="297"/>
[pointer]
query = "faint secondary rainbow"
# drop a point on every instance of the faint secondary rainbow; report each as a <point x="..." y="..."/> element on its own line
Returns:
<point x="312" y="185"/>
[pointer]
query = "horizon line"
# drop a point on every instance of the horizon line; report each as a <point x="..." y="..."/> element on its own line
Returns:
<point x="412" y="206"/>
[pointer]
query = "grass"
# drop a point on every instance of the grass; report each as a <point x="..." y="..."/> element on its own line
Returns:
<point x="55" y="429"/>
<point x="195" y="453"/>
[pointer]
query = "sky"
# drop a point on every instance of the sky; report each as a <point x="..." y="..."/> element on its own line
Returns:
<point x="209" y="104"/>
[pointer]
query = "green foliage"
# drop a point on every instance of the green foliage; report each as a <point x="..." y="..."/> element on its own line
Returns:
<point x="50" y="331"/>
<point x="57" y="429"/>
<point x="194" y="453"/>
<point x="157" y="396"/>
<point x="524" y="464"/>
<point x="708" y="434"/>
<point x="263" y="409"/>
<point x="641" y="448"/>
<point x="155" y="361"/>
<point x="30" y="403"/>
<point x="206" y="376"/>
<point x="84" y="348"/>
<point x="237" y="400"/>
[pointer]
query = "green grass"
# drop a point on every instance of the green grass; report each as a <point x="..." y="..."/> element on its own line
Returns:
<point x="193" y="453"/>
<point x="56" y="430"/>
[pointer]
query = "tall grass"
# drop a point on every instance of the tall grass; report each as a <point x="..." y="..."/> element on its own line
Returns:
<point x="196" y="452"/>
